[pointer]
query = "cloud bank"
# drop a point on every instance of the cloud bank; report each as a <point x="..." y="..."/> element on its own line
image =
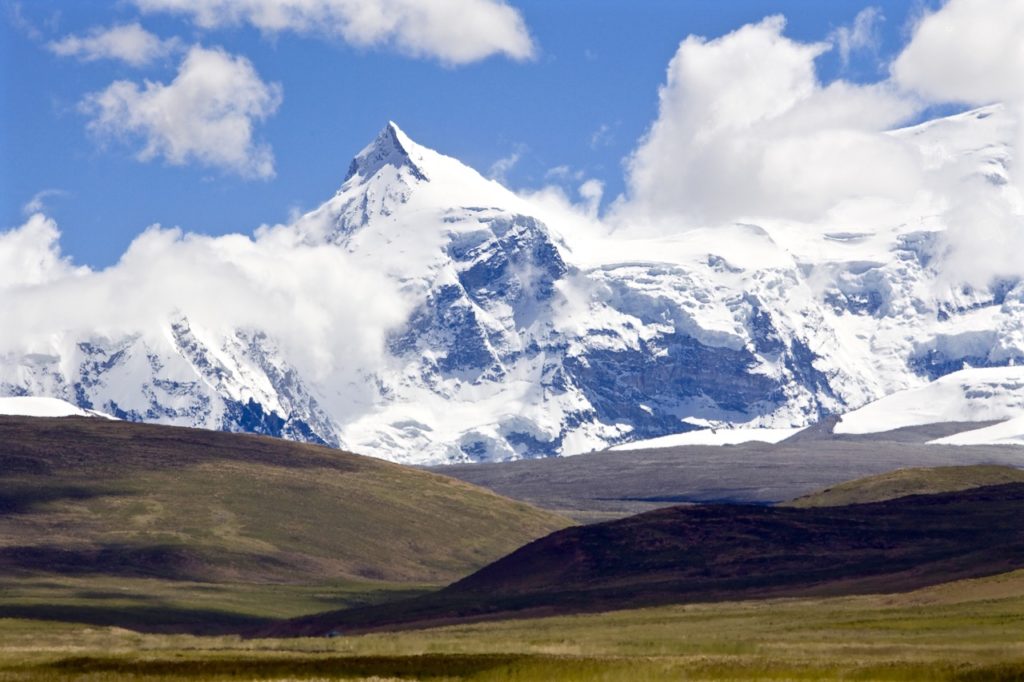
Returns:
<point x="329" y="315"/>
<point x="452" y="31"/>
<point x="206" y="114"/>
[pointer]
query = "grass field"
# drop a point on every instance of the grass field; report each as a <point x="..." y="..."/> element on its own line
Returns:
<point x="911" y="481"/>
<point x="969" y="630"/>
<point x="157" y="605"/>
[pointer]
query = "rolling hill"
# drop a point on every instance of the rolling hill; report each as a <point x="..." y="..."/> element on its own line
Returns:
<point x="913" y="481"/>
<point x="94" y="497"/>
<point x="722" y="552"/>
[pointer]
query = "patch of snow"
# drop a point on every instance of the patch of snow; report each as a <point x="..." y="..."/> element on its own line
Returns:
<point x="713" y="437"/>
<point x="26" y="406"/>
<point x="1009" y="432"/>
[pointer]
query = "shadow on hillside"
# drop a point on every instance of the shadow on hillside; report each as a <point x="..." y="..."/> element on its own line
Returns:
<point x="424" y="666"/>
<point x="141" y="618"/>
<point x="136" y="561"/>
<point x="18" y="499"/>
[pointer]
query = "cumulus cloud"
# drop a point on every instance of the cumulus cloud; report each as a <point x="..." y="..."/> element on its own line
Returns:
<point x="452" y="31"/>
<point x="969" y="51"/>
<point x="328" y="314"/>
<point x="129" y="43"/>
<point x="861" y="35"/>
<point x="30" y="255"/>
<point x="746" y="130"/>
<point x="206" y="114"/>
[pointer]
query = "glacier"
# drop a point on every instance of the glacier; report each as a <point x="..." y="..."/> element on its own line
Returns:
<point x="524" y="340"/>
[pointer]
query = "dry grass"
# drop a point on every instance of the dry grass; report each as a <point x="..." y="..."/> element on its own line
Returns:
<point x="913" y="481"/>
<point x="970" y="630"/>
<point x="93" y="497"/>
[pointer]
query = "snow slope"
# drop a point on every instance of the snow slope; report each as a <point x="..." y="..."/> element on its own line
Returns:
<point x="725" y="436"/>
<point x="970" y="395"/>
<point x="1009" y="432"/>
<point x="27" y="406"/>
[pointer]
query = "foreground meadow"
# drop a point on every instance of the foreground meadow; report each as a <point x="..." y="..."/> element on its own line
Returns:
<point x="967" y="630"/>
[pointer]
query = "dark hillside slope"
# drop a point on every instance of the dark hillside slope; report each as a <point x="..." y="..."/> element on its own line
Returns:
<point x="81" y="496"/>
<point x="719" y="552"/>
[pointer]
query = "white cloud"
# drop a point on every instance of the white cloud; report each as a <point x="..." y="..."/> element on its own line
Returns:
<point x="206" y="114"/>
<point x="129" y="43"/>
<point x="500" y="168"/>
<point x="563" y="173"/>
<point x="862" y="35"/>
<point x="983" y="240"/>
<point x="972" y="52"/>
<point x="37" y="204"/>
<point x="969" y="51"/>
<point x="602" y="137"/>
<point x="453" y="31"/>
<point x="16" y="16"/>
<point x="746" y="130"/>
<point x="591" y="192"/>
<point x="329" y="315"/>
<point x="30" y="254"/>
<point x="579" y="226"/>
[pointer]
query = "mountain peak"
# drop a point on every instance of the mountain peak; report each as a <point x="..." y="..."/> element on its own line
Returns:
<point x="391" y="147"/>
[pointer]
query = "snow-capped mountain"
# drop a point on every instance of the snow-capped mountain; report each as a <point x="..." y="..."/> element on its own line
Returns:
<point x="174" y="374"/>
<point x="523" y="343"/>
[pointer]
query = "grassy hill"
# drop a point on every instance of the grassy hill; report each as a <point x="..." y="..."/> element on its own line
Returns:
<point x="720" y="552"/>
<point x="914" y="481"/>
<point x="91" y="498"/>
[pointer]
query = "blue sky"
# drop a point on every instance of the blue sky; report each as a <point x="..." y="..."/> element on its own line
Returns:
<point x="582" y="101"/>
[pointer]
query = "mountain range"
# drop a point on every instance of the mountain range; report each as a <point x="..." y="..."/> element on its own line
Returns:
<point x="523" y="338"/>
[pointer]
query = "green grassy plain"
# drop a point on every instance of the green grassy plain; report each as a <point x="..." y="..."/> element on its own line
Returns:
<point x="968" y="630"/>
